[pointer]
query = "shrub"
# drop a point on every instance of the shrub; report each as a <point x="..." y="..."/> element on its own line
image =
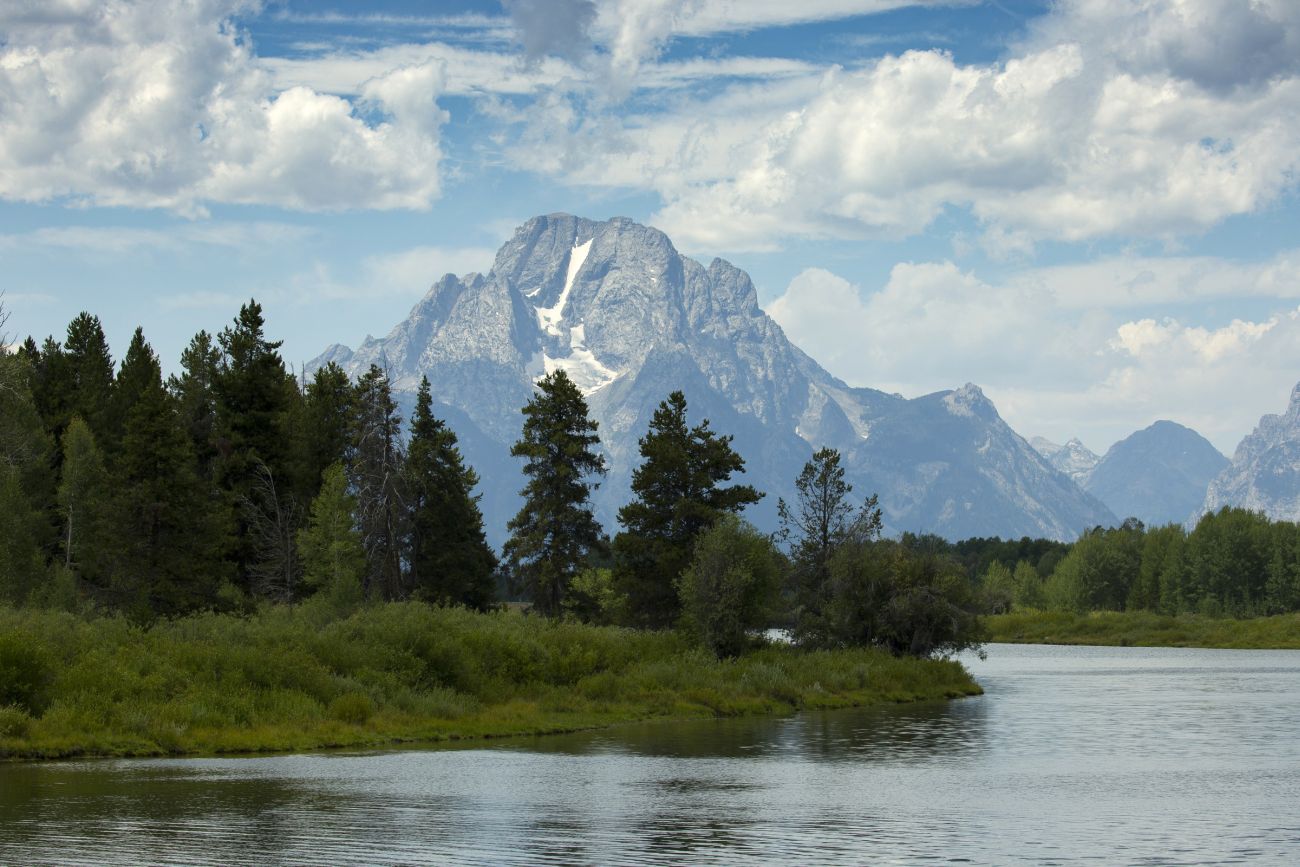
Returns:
<point x="26" y="674"/>
<point x="352" y="707"/>
<point x="730" y="585"/>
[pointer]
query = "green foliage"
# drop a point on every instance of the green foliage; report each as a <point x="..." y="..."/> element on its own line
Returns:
<point x="556" y="532"/>
<point x="820" y="521"/>
<point x="84" y="499"/>
<point x="196" y="398"/>
<point x="885" y="594"/>
<point x="730" y="586"/>
<point x="594" y="598"/>
<point x="334" y="561"/>
<point x="449" y="558"/>
<point x="293" y="678"/>
<point x="327" y="429"/>
<point x="166" y="535"/>
<point x="26" y="673"/>
<point x="998" y="588"/>
<point x="1027" y="586"/>
<point x="1145" y="629"/>
<point x="677" y="495"/>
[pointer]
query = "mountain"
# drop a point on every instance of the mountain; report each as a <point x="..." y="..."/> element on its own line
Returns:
<point x="1158" y="475"/>
<point x="1074" y="458"/>
<point x="630" y="319"/>
<point x="1265" y="471"/>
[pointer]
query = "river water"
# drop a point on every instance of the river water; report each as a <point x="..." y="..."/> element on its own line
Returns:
<point x="1073" y="756"/>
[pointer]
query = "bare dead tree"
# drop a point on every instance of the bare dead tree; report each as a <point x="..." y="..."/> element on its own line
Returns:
<point x="273" y="520"/>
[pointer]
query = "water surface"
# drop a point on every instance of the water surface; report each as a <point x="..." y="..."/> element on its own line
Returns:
<point x="1074" y="755"/>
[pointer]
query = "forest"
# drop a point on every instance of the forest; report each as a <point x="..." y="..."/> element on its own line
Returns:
<point x="235" y="483"/>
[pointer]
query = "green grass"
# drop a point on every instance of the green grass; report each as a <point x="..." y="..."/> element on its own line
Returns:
<point x="294" y="679"/>
<point x="1144" y="629"/>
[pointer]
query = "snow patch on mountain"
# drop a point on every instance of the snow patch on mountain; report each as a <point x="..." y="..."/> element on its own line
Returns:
<point x="550" y="318"/>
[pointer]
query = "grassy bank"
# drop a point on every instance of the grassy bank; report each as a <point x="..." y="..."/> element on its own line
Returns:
<point x="291" y="679"/>
<point x="1144" y="629"/>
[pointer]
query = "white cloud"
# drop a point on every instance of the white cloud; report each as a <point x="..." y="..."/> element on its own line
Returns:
<point x="118" y="240"/>
<point x="1053" y="364"/>
<point x="1107" y="121"/>
<point x="161" y="103"/>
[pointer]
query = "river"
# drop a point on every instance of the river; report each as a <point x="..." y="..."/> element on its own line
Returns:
<point x="1073" y="756"/>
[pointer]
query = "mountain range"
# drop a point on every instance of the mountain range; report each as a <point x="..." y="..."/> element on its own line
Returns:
<point x="630" y="319"/>
<point x="1265" y="471"/>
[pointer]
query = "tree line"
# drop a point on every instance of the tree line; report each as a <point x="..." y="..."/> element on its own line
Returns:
<point x="235" y="481"/>
<point x="1233" y="563"/>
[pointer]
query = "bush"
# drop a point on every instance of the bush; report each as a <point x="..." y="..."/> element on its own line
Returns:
<point x="730" y="585"/>
<point x="352" y="707"/>
<point x="26" y="674"/>
<point x="14" y="722"/>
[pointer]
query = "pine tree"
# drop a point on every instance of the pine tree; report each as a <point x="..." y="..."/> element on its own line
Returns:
<point x="327" y="428"/>
<point x="195" y="393"/>
<point x="821" y="519"/>
<point x="165" y="533"/>
<point x="91" y="369"/>
<point x="556" y="532"/>
<point x="52" y="385"/>
<point x="450" y="560"/>
<point x="375" y="474"/>
<point x="134" y="378"/>
<point x="254" y="395"/>
<point x="84" y="502"/>
<point x="678" y="495"/>
<point x="333" y="559"/>
<point x="25" y="483"/>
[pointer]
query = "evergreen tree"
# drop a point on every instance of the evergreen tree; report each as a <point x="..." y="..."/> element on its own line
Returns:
<point x="195" y="393"/>
<point x="52" y="385"/>
<point x="450" y="560"/>
<point x="91" y="369"/>
<point x="678" y="495"/>
<point x="84" y="502"/>
<point x="166" y="535"/>
<point x="333" y="559"/>
<point x="254" y="394"/>
<point x="327" y="427"/>
<point x="25" y="483"/>
<point x="375" y="474"/>
<point x="821" y="519"/>
<point x="135" y="377"/>
<point x="556" y="532"/>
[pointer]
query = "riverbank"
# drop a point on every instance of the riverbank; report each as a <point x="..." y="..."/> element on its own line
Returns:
<point x="1144" y="629"/>
<point x="296" y="679"/>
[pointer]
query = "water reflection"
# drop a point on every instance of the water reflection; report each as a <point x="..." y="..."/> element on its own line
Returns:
<point x="1073" y="755"/>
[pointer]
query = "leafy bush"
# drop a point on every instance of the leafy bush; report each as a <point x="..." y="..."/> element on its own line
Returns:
<point x="353" y="707"/>
<point x="25" y="673"/>
<point x="729" y="588"/>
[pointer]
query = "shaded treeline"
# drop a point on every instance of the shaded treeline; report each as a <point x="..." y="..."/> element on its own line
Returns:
<point x="1234" y="563"/>
<point x="234" y="482"/>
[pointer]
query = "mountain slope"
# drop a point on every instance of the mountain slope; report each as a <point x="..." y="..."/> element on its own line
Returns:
<point x="630" y="319"/>
<point x="1265" y="471"/>
<point x="1159" y="474"/>
<point x="1074" y="458"/>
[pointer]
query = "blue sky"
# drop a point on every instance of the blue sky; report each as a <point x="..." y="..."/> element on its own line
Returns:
<point x="1087" y="207"/>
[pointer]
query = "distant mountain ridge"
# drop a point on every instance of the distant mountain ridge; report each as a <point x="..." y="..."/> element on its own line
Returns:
<point x="1074" y="458"/>
<point x="1264" y="474"/>
<point x="630" y="319"/>
<point x="1159" y="474"/>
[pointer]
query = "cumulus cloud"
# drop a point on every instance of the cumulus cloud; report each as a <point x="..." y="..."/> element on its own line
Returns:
<point x="162" y="103"/>
<point x="1141" y="118"/>
<point x="1054" y="364"/>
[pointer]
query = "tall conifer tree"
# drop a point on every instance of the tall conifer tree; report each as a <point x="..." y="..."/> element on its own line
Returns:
<point x="678" y="495"/>
<point x="375" y="473"/>
<point x="91" y="367"/>
<point x="166" y="535"/>
<point x="450" y="560"/>
<point x="196" y="398"/>
<point x="556" y="532"/>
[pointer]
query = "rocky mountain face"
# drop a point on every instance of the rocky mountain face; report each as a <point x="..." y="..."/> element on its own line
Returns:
<point x="1074" y="458"/>
<point x="630" y="320"/>
<point x="1265" y="471"/>
<point x="1159" y="474"/>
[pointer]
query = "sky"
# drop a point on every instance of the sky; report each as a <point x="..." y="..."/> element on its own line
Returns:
<point x="1087" y="207"/>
